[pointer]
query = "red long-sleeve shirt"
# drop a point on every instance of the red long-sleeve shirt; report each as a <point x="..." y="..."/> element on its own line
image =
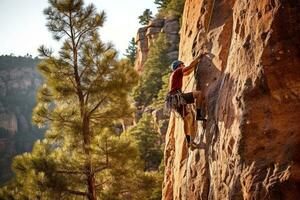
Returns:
<point x="176" y="80"/>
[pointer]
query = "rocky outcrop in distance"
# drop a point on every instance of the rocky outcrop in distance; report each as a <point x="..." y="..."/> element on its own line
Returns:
<point x="250" y="77"/>
<point x="19" y="81"/>
<point x="15" y="85"/>
<point x="147" y="35"/>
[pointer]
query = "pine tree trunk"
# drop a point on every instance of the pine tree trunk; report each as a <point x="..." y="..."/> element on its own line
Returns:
<point x="91" y="186"/>
<point x="85" y="127"/>
<point x="89" y="166"/>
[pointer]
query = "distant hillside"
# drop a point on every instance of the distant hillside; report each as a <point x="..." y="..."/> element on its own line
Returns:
<point x="18" y="83"/>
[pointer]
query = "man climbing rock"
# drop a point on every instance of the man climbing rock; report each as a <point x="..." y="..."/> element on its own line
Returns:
<point x="177" y="99"/>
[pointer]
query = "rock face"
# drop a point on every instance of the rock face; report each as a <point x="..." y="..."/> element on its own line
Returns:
<point x="9" y="122"/>
<point x="147" y="35"/>
<point x="250" y="77"/>
<point x="161" y="120"/>
<point x="18" y="83"/>
<point x="17" y="88"/>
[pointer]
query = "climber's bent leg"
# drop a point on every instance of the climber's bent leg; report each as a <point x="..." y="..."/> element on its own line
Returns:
<point x="198" y="97"/>
<point x="199" y="100"/>
<point x="186" y="127"/>
<point x="188" y="97"/>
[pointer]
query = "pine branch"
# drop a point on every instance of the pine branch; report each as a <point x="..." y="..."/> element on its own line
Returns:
<point x="81" y="34"/>
<point x="92" y="83"/>
<point x="69" y="75"/>
<point x="75" y="67"/>
<point x="99" y="169"/>
<point x="86" y="95"/>
<point x="66" y="32"/>
<point x="77" y="192"/>
<point x="97" y="106"/>
<point x="66" y="15"/>
<point x="69" y="172"/>
<point x="101" y="116"/>
<point x="65" y="120"/>
<point x="46" y="117"/>
<point x="101" y="184"/>
<point x="81" y="21"/>
<point x="96" y="79"/>
<point x="83" y="71"/>
<point x="73" y="83"/>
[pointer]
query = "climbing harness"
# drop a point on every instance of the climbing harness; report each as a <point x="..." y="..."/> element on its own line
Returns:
<point x="174" y="100"/>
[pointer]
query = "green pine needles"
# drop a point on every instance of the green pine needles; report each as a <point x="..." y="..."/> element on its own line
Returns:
<point x="131" y="51"/>
<point x="149" y="142"/>
<point x="145" y="17"/>
<point x="169" y="8"/>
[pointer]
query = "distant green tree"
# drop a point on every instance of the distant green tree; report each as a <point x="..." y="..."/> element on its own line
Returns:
<point x="131" y="51"/>
<point x="170" y="7"/>
<point x="162" y="4"/>
<point x="145" y="17"/>
<point x="149" y="142"/>
<point x="10" y="61"/>
<point x="155" y="67"/>
<point x="160" y="100"/>
<point x="175" y="7"/>
<point x="154" y="179"/>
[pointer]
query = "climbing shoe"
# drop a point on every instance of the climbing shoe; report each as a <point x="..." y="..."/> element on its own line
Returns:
<point x="188" y="139"/>
<point x="199" y="116"/>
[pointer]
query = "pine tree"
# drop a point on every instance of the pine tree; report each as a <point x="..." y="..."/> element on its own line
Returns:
<point x="160" y="100"/>
<point x="162" y="4"/>
<point x="85" y="91"/>
<point x="131" y="51"/>
<point x="50" y="172"/>
<point x="145" y="17"/>
<point x="175" y="7"/>
<point x="149" y="142"/>
<point x="170" y="7"/>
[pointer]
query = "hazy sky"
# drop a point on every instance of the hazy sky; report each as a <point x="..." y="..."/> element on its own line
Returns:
<point x="23" y="27"/>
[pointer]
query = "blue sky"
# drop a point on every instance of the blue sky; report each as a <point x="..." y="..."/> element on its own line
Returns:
<point x="23" y="27"/>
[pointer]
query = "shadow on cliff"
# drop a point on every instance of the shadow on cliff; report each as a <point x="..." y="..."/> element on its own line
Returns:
<point x="218" y="89"/>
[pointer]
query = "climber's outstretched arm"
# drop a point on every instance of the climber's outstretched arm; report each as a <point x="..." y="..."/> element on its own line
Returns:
<point x="187" y="70"/>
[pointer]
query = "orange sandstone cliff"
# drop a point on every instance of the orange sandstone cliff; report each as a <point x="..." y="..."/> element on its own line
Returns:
<point x="250" y="77"/>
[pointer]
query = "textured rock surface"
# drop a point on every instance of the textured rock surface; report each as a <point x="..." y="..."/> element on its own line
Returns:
<point x="17" y="98"/>
<point x="250" y="77"/>
<point x="17" y="88"/>
<point x="9" y="122"/>
<point x="147" y="35"/>
<point x="161" y="120"/>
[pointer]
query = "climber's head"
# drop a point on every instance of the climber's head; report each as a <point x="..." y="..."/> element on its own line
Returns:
<point x="175" y="64"/>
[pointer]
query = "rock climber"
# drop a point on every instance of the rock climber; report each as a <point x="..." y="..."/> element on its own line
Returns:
<point x="177" y="99"/>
